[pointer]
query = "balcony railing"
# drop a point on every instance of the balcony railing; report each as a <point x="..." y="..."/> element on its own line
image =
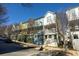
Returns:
<point x="53" y="30"/>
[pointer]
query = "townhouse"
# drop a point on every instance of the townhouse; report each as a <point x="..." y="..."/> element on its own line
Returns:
<point x="50" y="31"/>
<point x="73" y="26"/>
<point x="23" y="31"/>
<point x="19" y="31"/>
<point x="38" y="35"/>
<point x="45" y="29"/>
<point x="31" y="30"/>
<point x="42" y="30"/>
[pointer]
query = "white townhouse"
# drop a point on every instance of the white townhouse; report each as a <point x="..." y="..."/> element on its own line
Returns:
<point x="49" y="28"/>
<point x="46" y="32"/>
<point x="73" y="24"/>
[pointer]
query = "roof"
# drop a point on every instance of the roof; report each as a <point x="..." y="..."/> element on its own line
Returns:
<point x="72" y="8"/>
<point x="39" y="18"/>
<point x="50" y="12"/>
<point x="44" y="15"/>
<point x="35" y="18"/>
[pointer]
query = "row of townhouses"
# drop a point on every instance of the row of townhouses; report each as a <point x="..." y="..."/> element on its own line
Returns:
<point x="39" y="31"/>
<point x="49" y="29"/>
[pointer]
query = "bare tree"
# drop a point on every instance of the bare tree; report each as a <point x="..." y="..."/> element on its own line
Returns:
<point x="31" y="26"/>
<point x="2" y="14"/>
<point x="3" y="30"/>
<point x="61" y="22"/>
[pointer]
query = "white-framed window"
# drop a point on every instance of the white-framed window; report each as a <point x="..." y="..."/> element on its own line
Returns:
<point x="55" y="36"/>
<point x="40" y="22"/>
<point x="45" y="36"/>
<point x="76" y="27"/>
<point x="50" y="36"/>
<point x="75" y="36"/>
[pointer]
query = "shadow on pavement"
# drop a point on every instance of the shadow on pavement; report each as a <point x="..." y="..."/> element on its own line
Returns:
<point x="11" y="47"/>
<point x="53" y="53"/>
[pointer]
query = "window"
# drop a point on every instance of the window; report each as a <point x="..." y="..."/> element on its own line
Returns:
<point x="75" y="36"/>
<point x="76" y="27"/>
<point x="55" y="37"/>
<point x="50" y="36"/>
<point x="40" y="23"/>
<point x="45" y="36"/>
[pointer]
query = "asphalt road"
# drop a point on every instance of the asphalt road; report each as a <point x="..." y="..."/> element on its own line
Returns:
<point x="14" y="49"/>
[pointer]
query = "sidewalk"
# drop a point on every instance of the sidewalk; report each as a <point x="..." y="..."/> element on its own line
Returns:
<point x="68" y="53"/>
<point x="25" y="44"/>
<point x="73" y="52"/>
<point x="49" y="48"/>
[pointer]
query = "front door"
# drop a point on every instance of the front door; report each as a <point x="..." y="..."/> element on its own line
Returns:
<point x="51" y="40"/>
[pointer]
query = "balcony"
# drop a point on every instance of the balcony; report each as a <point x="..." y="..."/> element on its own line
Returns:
<point x="74" y="28"/>
<point x="53" y="30"/>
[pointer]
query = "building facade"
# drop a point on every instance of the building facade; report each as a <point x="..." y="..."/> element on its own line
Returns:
<point x="50" y="33"/>
<point x="73" y="24"/>
<point x="38" y="35"/>
<point x="39" y="31"/>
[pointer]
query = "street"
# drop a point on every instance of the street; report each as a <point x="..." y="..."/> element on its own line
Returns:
<point x="14" y="49"/>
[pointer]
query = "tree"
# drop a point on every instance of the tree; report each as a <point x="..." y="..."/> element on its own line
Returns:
<point x="31" y="23"/>
<point x="61" y="22"/>
<point x="3" y="29"/>
<point x="2" y="14"/>
<point x="2" y="19"/>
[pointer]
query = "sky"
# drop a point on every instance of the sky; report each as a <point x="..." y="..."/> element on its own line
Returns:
<point x="19" y="12"/>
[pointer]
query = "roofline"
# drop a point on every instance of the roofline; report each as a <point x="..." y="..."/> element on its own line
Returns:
<point x="35" y="18"/>
<point x="72" y="8"/>
<point x="39" y="18"/>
